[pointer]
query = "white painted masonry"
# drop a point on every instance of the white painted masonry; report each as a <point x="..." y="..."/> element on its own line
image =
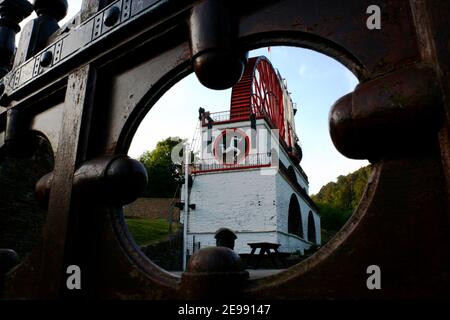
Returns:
<point x="250" y="202"/>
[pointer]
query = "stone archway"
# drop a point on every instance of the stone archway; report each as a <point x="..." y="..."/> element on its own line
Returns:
<point x="295" y="225"/>
<point x="312" y="237"/>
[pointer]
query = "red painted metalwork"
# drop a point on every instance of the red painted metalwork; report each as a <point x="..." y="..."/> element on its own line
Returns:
<point x="231" y="132"/>
<point x="259" y="92"/>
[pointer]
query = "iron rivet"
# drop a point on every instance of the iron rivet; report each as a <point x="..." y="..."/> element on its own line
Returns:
<point x="111" y="16"/>
<point x="46" y="59"/>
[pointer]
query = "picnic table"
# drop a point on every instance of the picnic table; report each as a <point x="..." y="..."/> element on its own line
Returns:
<point x="265" y="247"/>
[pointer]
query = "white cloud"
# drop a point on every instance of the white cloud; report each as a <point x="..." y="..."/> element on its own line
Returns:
<point x="301" y="71"/>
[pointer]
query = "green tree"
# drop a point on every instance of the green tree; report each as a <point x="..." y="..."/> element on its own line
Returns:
<point x="162" y="172"/>
<point x="337" y="200"/>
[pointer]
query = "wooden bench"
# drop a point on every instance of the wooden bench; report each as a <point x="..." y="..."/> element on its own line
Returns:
<point x="265" y="247"/>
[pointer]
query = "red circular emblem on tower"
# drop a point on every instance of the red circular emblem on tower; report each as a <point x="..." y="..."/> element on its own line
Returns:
<point x="231" y="146"/>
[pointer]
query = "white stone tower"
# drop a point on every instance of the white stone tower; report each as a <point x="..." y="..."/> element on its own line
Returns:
<point x="248" y="176"/>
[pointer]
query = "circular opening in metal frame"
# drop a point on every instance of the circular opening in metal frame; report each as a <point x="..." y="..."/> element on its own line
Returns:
<point x="252" y="168"/>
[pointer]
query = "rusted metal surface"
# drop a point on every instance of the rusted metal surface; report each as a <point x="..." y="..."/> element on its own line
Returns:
<point x="12" y="12"/>
<point x="101" y="86"/>
<point x="116" y="180"/>
<point x="391" y="228"/>
<point x="39" y="30"/>
<point x="398" y="113"/>
<point x="216" y="51"/>
<point x="214" y="273"/>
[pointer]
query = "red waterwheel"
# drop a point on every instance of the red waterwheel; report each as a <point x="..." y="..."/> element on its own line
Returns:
<point x="259" y="92"/>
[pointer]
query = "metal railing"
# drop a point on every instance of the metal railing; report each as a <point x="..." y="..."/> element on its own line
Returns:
<point x="249" y="161"/>
<point x="224" y="116"/>
<point x="293" y="134"/>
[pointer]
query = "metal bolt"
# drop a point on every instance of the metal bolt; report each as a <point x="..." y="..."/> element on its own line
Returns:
<point x="214" y="273"/>
<point x="111" y="16"/>
<point x="8" y="260"/>
<point x="46" y="59"/>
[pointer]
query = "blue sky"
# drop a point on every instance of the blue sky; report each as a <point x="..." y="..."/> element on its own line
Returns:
<point x="315" y="80"/>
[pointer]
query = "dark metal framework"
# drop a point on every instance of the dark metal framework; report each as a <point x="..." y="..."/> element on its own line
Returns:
<point x="105" y="70"/>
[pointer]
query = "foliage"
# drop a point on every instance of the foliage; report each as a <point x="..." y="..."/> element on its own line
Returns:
<point x="337" y="200"/>
<point x="162" y="172"/>
<point x="147" y="231"/>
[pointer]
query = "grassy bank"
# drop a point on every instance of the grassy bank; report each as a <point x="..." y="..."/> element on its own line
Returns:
<point x="148" y="231"/>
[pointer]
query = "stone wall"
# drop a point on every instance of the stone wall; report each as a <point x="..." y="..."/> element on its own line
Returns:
<point x="253" y="203"/>
<point x="152" y="208"/>
<point x="240" y="200"/>
<point x="288" y="242"/>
